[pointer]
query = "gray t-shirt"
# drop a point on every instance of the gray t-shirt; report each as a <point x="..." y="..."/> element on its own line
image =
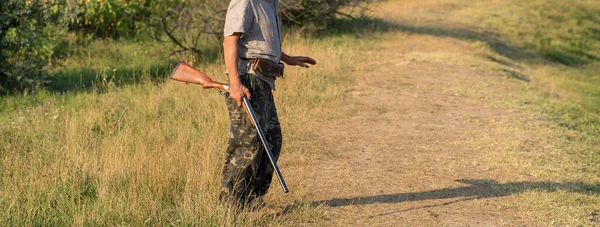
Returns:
<point x="261" y="28"/>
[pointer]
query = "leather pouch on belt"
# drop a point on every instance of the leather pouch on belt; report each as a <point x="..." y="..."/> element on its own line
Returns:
<point x="267" y="67"/>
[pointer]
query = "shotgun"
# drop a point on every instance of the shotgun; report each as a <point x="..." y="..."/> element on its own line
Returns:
<point x="188" y="74"/>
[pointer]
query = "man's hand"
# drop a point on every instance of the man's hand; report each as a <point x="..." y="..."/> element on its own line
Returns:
<point x="237" y="93"/>
<point x="301" y="61"/>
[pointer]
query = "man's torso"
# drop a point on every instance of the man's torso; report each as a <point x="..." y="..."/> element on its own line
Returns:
<point x="262" y="36"/>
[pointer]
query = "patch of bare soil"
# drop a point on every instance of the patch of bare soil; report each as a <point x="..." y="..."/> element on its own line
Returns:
<point x="398" y="159"/>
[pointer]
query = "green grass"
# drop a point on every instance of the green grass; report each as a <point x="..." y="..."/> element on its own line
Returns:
<point x="552" y="44"/>
<point x="562" y="48"/>
<point x="556" y="43"/>
<point x="568" y="74"/>
<point x="563" y="32"/>
<point x="111" y="63"/>
<point x="550" y="47"/>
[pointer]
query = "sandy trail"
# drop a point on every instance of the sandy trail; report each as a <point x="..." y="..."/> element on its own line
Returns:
<point x="399" y="159"/>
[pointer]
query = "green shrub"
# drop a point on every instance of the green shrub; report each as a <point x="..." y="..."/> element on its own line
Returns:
<point x="117" y="18"/>
<point x="196" y="26"/>
<point x="319" y="14"/>
<point x="32" y="32"/>
<point x="31" y="37"/>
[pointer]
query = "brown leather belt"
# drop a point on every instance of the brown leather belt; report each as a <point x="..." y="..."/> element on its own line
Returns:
<point x="267" y="67"/>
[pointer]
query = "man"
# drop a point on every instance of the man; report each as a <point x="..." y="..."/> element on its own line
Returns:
<point x="252" y="38"/>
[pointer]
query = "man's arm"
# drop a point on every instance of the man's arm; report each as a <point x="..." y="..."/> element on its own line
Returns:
<point x="230" y="49"/>
<point x="301" y="61"/>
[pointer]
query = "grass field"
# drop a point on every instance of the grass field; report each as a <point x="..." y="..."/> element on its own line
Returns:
<point x="552" y="46"/>
<point x="125" y="145"/>
<point x="114" y="142"/>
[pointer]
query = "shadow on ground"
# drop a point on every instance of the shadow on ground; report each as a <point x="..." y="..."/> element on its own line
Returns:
<point x="365" y="27"/>
<point x="476" y="189"/>
<point x="88" y="78"/>
<point x="133" y="68"/>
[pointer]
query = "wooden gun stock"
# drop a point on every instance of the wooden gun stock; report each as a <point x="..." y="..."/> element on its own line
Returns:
<point x="188" y="74"/>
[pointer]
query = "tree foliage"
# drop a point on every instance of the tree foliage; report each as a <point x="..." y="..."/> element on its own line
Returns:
<point x="31" y="36"/>
<point x="320" y="14"/>
<point x="192" y="25"/>
<point x="32" y="32"/>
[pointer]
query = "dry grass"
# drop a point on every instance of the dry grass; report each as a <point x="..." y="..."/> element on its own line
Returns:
<point x="150" y="153"/>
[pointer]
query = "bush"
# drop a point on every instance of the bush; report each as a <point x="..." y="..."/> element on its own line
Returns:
<point x="320" y="14"/>
<point x="31" y="37"/>
<point x="189" y="26"/>
<point x="108" y="18"/>
<point x="196" y="25"/>
<point x="32" y="33"/>
<point x="117" y="18"/>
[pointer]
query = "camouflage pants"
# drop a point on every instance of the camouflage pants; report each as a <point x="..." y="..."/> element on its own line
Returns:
<point x="247" y="172"/>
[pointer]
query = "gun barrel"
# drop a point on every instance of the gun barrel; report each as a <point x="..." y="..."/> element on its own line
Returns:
<point x="264" y="142"/>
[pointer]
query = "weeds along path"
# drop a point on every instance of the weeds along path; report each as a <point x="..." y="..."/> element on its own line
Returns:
<point x="430" y="116"/>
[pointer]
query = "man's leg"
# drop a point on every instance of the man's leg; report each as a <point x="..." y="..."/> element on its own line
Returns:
<point x="244" y="151"/>
<point x="272" y="130"/>
<point x="241" y="158"/>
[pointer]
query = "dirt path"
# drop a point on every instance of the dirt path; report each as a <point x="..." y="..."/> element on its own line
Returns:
<point x="400" y="159"/>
